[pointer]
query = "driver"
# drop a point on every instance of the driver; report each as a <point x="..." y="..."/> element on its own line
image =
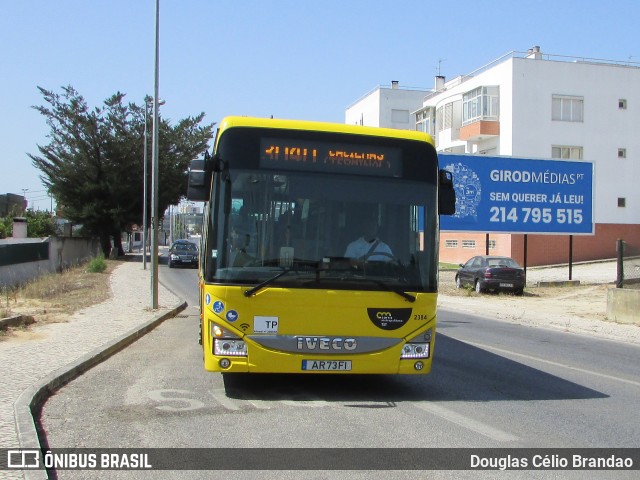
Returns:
<point x="368" y="246"/>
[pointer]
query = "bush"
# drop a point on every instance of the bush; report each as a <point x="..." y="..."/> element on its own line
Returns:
<point x="97" y="265"/>
<point x="6" y="227"/>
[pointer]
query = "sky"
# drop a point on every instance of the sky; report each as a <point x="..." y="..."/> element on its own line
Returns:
<point x="295" y="59"/>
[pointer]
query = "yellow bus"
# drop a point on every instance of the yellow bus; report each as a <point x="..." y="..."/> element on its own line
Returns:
<point x="319" y="251"/>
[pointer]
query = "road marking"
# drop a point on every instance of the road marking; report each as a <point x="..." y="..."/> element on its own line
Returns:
<point x="220" y="396"/>
<point x="162" y="396"/>
<point x="260" y="404"/>
<point x="466" y="422"/>
<point x="555" y="364"/>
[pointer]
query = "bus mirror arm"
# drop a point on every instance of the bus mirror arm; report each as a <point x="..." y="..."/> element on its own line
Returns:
<point x="446" y="193"/>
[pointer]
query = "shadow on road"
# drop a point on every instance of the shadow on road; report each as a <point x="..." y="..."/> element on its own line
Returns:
<point x="460" y="372"/>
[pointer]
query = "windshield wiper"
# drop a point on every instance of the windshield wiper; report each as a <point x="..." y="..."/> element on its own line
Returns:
<point x="356" y="277"/>
<point x="252" y="291"/>
<point x="389" y="288"/>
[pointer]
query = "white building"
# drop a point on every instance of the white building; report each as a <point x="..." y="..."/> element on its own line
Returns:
<point x="536" y="105"/>
<point x="388" y="107"/>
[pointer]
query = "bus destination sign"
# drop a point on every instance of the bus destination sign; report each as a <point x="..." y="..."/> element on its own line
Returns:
<point x="329" y="157"/>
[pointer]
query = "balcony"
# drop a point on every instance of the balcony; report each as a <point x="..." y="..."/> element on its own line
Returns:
<point x="480" y="130"/>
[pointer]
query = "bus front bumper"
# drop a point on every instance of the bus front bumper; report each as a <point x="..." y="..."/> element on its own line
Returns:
<point x="260" y="360"/>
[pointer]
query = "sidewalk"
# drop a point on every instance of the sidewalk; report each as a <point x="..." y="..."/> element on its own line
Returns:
<point x="58" y="352"/>
<point x="599" y="272"/>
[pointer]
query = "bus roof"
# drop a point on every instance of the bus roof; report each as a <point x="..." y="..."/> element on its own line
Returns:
<point x="238" y="121"/>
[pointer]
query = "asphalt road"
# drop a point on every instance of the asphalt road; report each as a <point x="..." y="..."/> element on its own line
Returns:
<point x="493" y="384"/>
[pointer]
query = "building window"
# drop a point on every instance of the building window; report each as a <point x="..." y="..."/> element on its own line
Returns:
<point x="622" y="202"/>
<point x="567" y="109"/>
<point x="444" y="117"/>
<point x="566" y="152"/>
<point x="492" y="245"/>
<point x="468" y="244"/>
<point x="451" y="244"/>
<point x="622" y="153"/>
<point x="425" y="121"/>
<point x="482" y="103"/>
<point x="622" y="104"/>
<point x="400" y="116"/>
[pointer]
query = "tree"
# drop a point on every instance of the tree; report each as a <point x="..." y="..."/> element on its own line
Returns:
<point x="39" y="224"/>
<point x="93" y="164"/>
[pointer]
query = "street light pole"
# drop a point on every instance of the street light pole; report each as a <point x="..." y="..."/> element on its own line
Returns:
<point x="144" y="179"/>
<point x="155" y="220"/>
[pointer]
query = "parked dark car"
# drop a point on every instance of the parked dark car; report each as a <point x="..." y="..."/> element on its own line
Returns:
<point x="491" y="273"/>
<point x="183" y="252"/>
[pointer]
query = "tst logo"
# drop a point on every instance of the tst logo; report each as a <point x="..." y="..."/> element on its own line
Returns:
<point x="389" y="318"/>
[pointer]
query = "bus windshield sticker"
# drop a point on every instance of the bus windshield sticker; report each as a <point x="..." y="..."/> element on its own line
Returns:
<point x="218" y="306"/>
<point x="329" y="157"/>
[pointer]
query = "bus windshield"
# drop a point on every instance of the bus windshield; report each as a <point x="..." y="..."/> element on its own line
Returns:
<point x="313" y="230"/>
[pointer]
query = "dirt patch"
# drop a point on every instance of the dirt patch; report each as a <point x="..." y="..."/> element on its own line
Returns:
<point x="55" y="297"/>
<point x="581" y="308"/>
<point x="588" y="301"/>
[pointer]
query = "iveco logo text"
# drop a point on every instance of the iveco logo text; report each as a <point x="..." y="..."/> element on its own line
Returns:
<point x="384" y="315"/>
<point x="324" y="343"/>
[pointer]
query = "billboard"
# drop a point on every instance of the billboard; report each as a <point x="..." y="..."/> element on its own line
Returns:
<point x="519" y="195"/>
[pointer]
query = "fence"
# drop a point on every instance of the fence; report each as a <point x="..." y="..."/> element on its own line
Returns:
<point x="628" y="271"/>
<point x="25" y="259"/>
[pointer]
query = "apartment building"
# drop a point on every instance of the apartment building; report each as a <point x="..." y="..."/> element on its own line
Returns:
<point x="540" y="106"/>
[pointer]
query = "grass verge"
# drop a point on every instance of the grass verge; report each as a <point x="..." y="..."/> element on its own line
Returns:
<point x="54" y="297"/>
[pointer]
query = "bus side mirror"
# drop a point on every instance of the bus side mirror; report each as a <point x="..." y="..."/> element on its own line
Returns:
<point x="198" y="187"/>
<point x="199" y="174"/>
<point x="446" y="193"/>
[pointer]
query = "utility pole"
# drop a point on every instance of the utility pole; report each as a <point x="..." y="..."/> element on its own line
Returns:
<point x="24" y="197"/>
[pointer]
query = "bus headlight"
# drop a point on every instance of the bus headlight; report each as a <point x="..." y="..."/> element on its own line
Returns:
<point x="229" y="347"/>
<point x="227" y="343"/>
<point x="415" y="350"/>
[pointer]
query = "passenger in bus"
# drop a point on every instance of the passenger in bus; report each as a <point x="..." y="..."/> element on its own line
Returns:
<point x="368" y="246"/>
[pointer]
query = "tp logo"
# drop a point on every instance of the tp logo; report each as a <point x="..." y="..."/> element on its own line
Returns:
<point x="23" y="459"/>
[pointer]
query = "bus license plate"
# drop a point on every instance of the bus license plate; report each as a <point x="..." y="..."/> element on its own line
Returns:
<point x="339" y="365"/>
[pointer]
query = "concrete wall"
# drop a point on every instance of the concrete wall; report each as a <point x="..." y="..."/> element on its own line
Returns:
<point x="542" y="249"/>
<point x="64" y="252"/>
<point x="623" y="305"/>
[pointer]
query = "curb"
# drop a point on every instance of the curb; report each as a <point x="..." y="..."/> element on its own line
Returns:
<point x="559" y="283"/>
<point x="29" y="403"/>
<point x="16" y="321"/>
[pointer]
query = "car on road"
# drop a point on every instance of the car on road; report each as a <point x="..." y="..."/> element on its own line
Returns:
<point x="183" y="252"/>
<point x="490" y="272"/>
